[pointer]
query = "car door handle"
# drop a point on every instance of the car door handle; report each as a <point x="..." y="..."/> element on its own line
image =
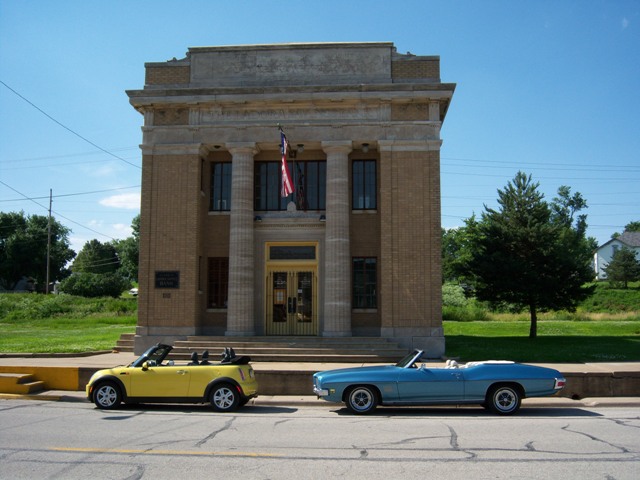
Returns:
<point x="182" y="372"/>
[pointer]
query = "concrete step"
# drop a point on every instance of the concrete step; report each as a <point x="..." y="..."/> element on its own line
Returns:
<point x="20" y="383"/>
<point x="125" y="343"/>
<point x="285" y="349"/>
<point x="295" y="349"/>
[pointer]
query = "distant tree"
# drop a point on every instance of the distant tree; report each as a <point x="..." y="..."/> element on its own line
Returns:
<point x="632" y="227"/>
<point x="87" y="284"/>
<point x="96" y="257"/>
<point x="128" y="251"/>
<point x="530" y="253"/>
<point x="629" y="227"/>
<point x="23" y="249"/>
<point x="623" y="268"/>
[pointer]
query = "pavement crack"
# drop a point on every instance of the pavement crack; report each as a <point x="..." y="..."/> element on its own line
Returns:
<point x="596" y="439"/>
<point x="623" y="423"/>
<point x="453" y="439"/>
<point x="213" y="434"/>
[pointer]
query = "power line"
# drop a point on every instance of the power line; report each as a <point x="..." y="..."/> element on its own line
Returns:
<point x="570" y="166"/>
<point x="69" y="194"/>
<point x="57" y="214"/>
<point x="66" y="155"/>
<point x="67" y="128"/>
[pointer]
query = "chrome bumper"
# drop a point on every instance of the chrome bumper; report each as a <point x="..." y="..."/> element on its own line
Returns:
<point x="320" y="392"/>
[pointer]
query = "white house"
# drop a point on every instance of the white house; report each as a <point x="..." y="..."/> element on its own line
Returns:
<point x="604" y="253"/>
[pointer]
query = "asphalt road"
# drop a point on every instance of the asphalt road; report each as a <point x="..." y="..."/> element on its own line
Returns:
<point x="65" y="440"/>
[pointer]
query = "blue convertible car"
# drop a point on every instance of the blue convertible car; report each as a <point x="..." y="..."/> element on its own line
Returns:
<point x="497" y="385"/>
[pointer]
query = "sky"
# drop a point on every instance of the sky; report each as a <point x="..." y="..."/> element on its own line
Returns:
<point x="550" y="88"/>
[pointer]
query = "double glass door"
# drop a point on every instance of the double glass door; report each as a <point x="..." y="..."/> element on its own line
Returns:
<point x="291" y="301"/>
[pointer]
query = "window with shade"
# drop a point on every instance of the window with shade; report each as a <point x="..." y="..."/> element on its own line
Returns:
<point x="364" y="186"/>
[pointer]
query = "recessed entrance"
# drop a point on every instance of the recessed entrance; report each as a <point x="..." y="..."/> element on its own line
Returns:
<point x="292" y="289"/>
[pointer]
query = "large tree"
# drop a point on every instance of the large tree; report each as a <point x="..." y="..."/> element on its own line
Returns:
<point x="96" y="257"/>
<point x="23" y="249"/>
<point x="623" y="268"/>
<point x="128" y="251"/>
<point x="530" y="253"/>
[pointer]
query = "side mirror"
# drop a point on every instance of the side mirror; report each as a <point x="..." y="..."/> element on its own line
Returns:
<point x="145" y="366"/>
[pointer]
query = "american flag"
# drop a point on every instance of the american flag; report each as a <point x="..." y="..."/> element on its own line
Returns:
<point x="287" y="183"/>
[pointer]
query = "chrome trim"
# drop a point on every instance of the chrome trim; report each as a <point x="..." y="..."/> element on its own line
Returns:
<point x="560" y="383"/>
<point x="320" y="392"/>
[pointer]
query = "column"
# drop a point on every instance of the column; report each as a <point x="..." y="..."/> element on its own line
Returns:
<point x="240" y="321"/>
<point x="337" y="287"/>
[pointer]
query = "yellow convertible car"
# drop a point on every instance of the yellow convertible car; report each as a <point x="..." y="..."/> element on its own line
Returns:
<point x="227" y="384"/>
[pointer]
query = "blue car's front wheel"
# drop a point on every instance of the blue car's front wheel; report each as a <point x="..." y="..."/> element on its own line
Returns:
<point x="361" y="399"/>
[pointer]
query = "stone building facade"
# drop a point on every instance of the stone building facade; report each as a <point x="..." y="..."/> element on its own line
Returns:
<point x="354" y="251"/>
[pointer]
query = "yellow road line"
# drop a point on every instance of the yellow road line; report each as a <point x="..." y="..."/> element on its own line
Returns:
<point x="162" y="452"/>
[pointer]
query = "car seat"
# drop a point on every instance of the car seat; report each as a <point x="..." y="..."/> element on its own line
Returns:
<point x="194" y="359"/>
<point x="205" y="358"/>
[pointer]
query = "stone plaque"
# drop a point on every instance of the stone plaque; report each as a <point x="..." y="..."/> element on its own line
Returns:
<point x="167" y="279"/>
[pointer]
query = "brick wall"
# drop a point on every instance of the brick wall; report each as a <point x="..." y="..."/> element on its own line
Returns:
<point x="167" y="75"/>
<point x="418" y="68"/>
<point x="410" y="239"/>
<point x="169" y="237"/>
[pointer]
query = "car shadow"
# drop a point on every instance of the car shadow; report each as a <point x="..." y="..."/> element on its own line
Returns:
<point x="132" y="410"/>
<point x="469" y="411"/>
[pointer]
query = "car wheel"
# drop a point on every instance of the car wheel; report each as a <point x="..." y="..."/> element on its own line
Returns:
<point x="107" y="396"/>
<point x="225" y="398"/>
<point x="362" y="400"/>
<point x="504" y="400"/>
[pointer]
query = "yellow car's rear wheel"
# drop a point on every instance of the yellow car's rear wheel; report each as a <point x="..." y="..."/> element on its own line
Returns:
<point x="225" y="398"/>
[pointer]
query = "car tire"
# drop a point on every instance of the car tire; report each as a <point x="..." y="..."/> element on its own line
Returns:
<point x="107" y="396"/>
<point x="225" y="398"/>
<point x="504" y="399"/>
<point x="361" y="400"/>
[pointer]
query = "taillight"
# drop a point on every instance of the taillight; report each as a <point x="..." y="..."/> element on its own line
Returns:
<point x="560" y="383"/>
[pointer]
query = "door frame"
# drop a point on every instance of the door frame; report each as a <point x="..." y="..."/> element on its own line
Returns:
<point x="292" y="266"/>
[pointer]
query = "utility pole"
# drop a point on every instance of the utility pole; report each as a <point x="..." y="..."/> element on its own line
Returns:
<point x="49" y="241"/>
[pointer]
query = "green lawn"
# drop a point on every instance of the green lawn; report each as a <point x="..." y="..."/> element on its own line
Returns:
<point x="61" y="335"/>
<point x="557" y="341"/>
<point x="59" y="324"/>
<point x="62" y="323"/>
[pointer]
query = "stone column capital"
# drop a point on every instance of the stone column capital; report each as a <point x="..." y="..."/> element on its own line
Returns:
<point x="340" y="146"/>
<point x="236" y="148"/>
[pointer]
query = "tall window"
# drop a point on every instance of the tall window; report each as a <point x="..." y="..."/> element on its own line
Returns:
<point x="310" y="185"/>
<point x="364" y="185"/>
<point x="365" y="282"/>
<point x="220" y="187"/>
<point x="218" y="282"/>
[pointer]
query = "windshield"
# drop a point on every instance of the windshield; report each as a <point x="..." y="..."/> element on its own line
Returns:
<point x="153" y="355"/>
<point x="409" y="360"/>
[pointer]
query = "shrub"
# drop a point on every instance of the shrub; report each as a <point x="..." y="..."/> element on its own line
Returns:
<point x="453" y="295"/>
<point x="95" y="285"/>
